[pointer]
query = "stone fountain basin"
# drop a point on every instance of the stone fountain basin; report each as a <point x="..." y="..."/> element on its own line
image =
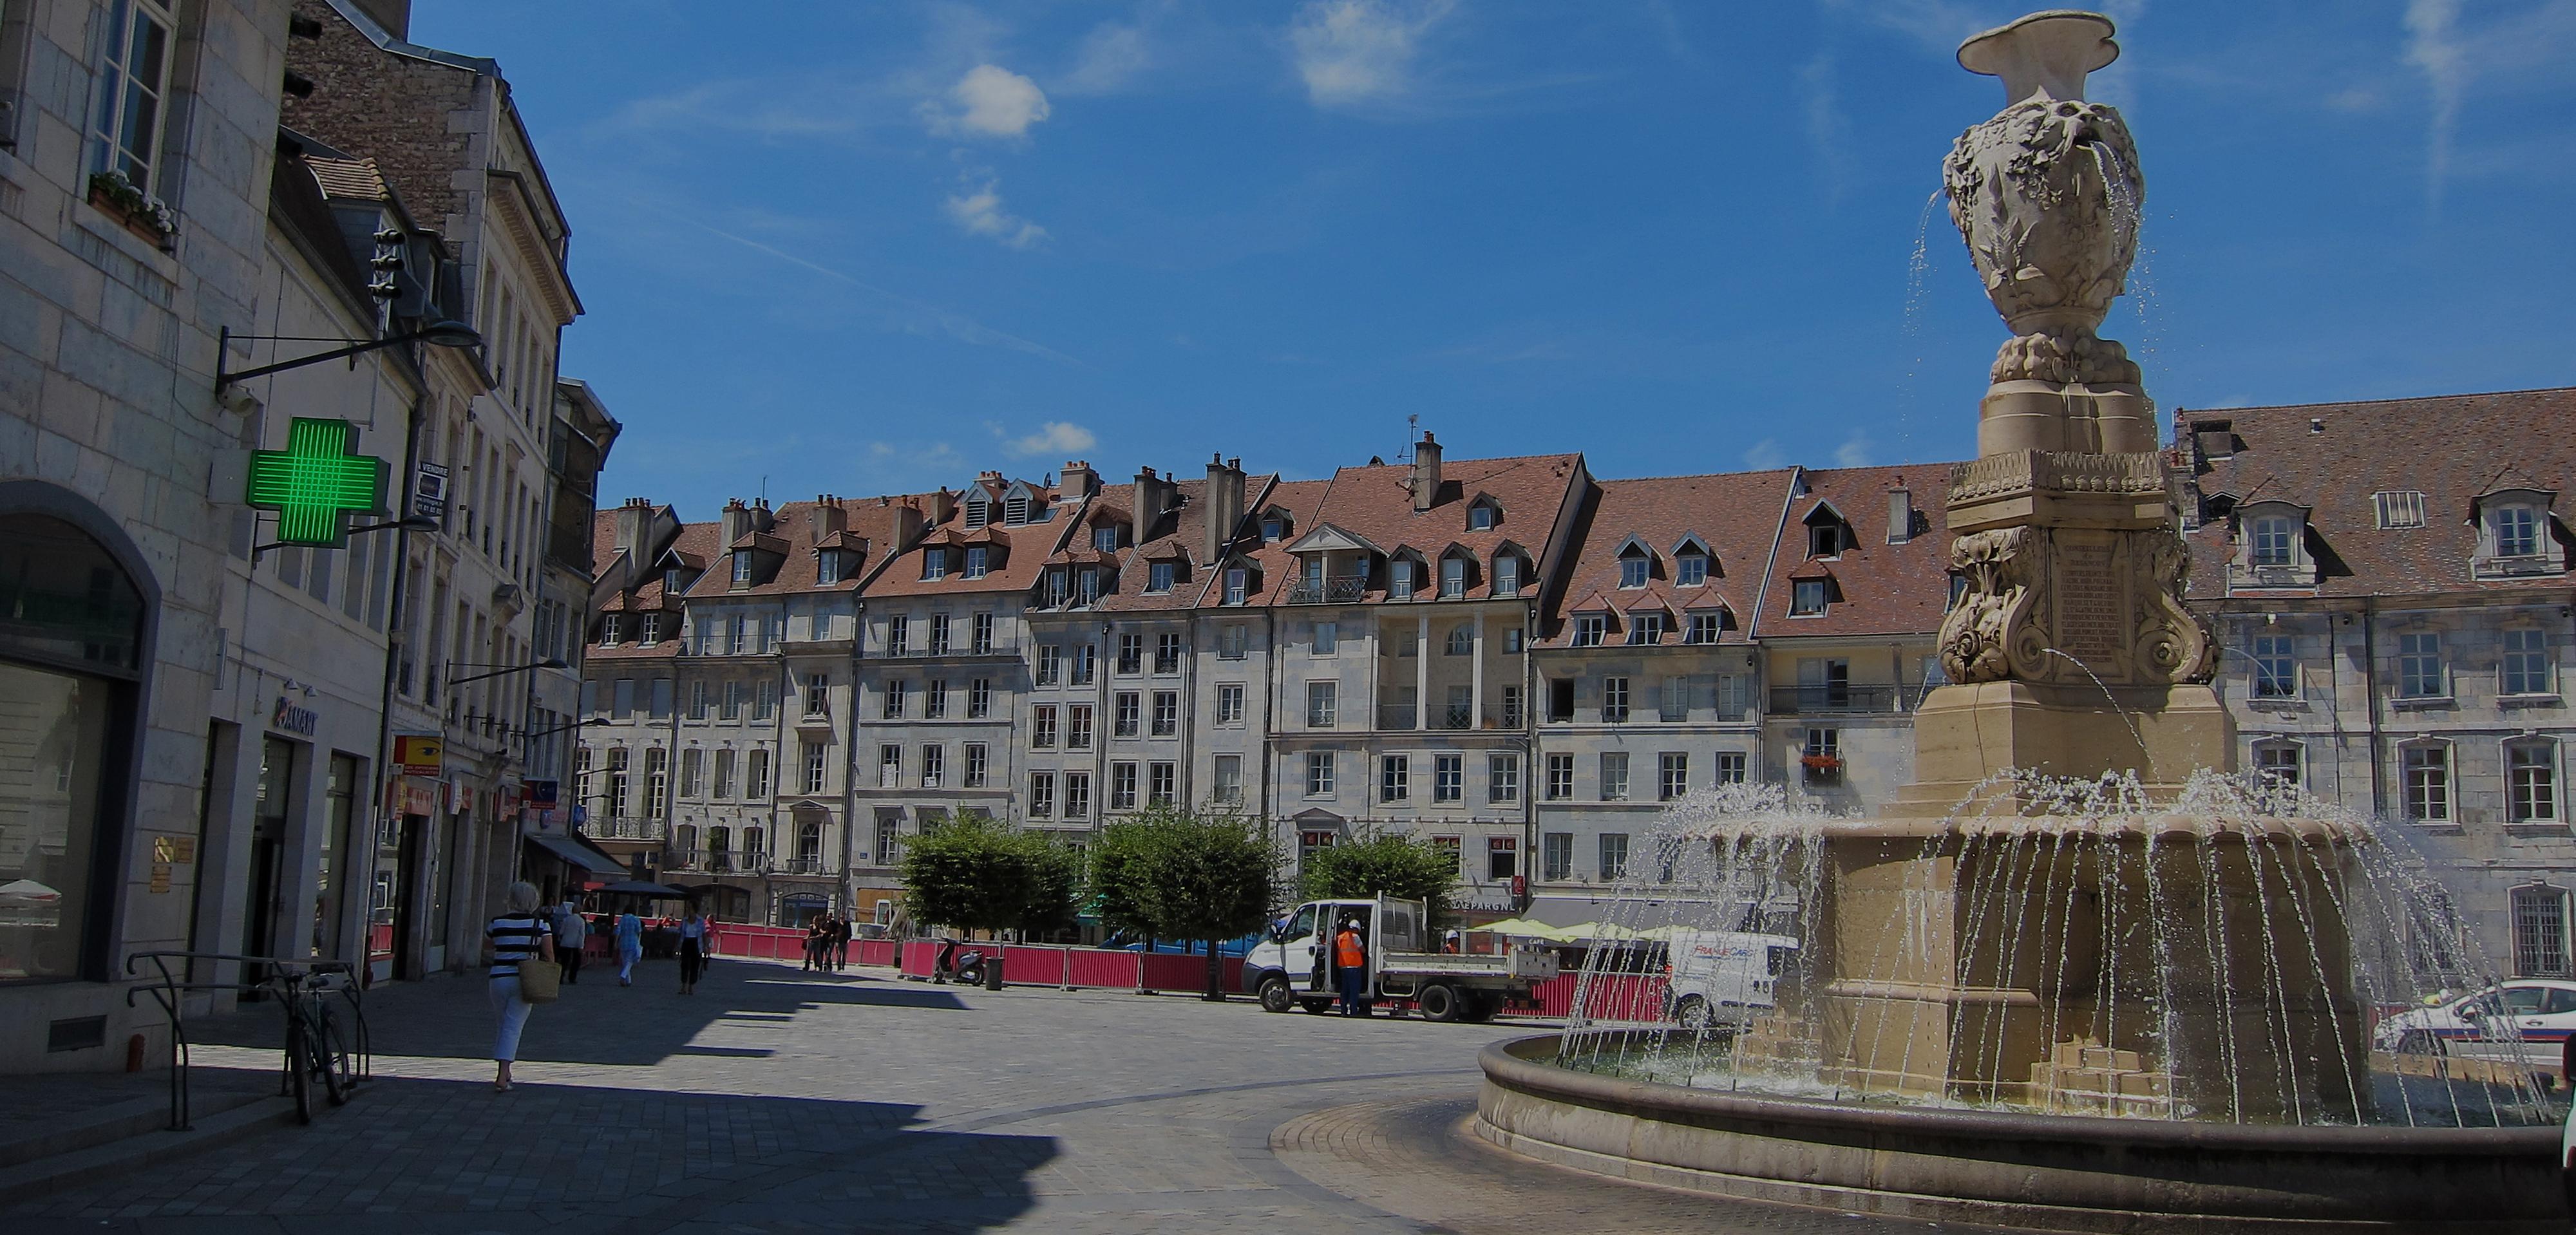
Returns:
<point x="2051" y="1172"/>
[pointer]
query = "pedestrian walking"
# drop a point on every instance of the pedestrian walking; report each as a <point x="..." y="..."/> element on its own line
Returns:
<point x="693" y="948"/>
<point x="518" y="934"/>
<point x="840" y="942"/>
<point x="630" y="946"/>
<point x="571" y="935"/>
<point x="1350" y="965"/>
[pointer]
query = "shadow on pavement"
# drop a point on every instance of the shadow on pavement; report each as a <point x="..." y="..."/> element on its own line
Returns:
<point x="617" y="1160"/>
<point x="596" y="1021"/>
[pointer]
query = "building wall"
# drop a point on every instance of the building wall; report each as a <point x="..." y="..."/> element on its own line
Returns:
<point x="107" y="358"/>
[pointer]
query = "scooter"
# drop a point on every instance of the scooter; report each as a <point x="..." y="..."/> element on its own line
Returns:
<point x="966" y="967"/>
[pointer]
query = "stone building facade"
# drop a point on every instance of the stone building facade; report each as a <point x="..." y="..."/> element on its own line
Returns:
<point x="2389" y="584"/>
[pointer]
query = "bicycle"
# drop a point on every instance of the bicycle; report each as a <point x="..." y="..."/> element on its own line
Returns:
<point x="316" y="1046"/>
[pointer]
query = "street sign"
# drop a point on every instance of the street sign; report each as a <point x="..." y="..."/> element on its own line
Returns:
<point x="316" y="482"/>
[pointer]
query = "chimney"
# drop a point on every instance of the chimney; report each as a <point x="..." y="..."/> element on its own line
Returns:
<point x="762" y="519"/>
<point x="1079" y="480"/>
<point x="634" y="523"/>
<point x="1153" y="497"/>
<point x="1426" y="473"/>
<point x="735" y="523"/>
<point x="906" y="525"/>
<point x="1223" y="508"/>
<point x="1900" y="514"/>
<point x="829" y="518"/>
<point x="942" y="504"/>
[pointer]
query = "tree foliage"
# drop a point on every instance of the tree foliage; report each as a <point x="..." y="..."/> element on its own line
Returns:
<point x="1177" y="874"/>
<point x="1396" y="864"/>
<point x="975" y="874"/>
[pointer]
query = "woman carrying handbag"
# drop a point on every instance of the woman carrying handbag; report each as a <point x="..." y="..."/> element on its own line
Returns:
<point x="522" y="951"/>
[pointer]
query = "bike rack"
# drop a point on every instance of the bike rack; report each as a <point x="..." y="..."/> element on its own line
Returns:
<point x="167" y="988"/>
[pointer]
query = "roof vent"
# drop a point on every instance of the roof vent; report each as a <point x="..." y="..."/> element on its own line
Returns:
<point x="2317" y="425"/>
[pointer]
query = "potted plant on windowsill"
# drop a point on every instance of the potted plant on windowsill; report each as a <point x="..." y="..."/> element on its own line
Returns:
<point x="1821" y="768"/>
<point x="140" y="212"/>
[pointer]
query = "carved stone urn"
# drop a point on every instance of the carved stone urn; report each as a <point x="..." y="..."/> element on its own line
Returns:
<point x="2069" y="650"/>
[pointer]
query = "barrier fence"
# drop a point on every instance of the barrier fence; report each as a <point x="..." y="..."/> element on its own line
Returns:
<point x="1614" y="997"/>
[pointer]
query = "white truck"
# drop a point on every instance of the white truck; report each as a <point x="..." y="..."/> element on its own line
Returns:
<point x="1725" y="978"/>
<point x="1294" y="964"/>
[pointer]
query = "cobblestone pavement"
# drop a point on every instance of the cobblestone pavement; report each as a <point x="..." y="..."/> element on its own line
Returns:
<point x="775" y="1100"/>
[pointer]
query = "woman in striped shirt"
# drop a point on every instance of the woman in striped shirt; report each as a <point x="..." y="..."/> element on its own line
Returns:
<point x="515" y="936"/>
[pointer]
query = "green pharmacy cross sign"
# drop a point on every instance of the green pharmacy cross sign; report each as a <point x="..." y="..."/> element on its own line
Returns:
<point x="317" y="480"/>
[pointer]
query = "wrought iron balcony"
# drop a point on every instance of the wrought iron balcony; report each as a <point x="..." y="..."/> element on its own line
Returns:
<point x="1337" y="590"/>
<point x="1844" y="700"/>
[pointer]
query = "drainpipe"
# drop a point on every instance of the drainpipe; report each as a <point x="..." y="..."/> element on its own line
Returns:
<point x="2378" y="726"/>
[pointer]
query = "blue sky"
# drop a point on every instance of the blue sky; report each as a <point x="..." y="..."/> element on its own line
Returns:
<point x="875" y="248"/>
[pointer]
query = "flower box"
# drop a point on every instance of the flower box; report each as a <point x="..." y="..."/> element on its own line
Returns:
<point x="1821" y="763"/>
<point x="142" y="214"/>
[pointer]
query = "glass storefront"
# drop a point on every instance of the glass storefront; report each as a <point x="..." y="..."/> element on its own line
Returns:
<point x="71" y="625"/>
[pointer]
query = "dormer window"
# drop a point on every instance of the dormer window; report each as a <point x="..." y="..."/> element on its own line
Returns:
<point x="1825" y="539"/>
<point x="1589" y="629"/>
<point x="671" y="581"/>
<point x="1646" y="628"/>
<point x="1704" y="627"/>
<point x="1091" y="585"/>
<point x="1507" y="575"/>
<point x="1160" y="576"/>
<point x="1690" y="569"/>
<point x="1105" y="537"/>
<point x="1634" y="565"/>
<point x="1015" y="509"/>
<point x="2517" y="531"/>
<point x="2272" y="546"/>
<point x="1238" y="582"/>
<point x="1057" y="587"/>
<point x="2275" y="540"/>
<point x="827" y="567"/>
<point x="1273" y="528"/>
<point x="1453" y="577"/>
<point x="608" y="630"/>
<point x="978" y="561"/>
<point x="934" y="564"/>
<point x="1482" y="516"/>
<point x="742" y="568"/>
<point x="1808" y="597"/>
<point x="1399" y="579"/>
<point x="979" y="512"/>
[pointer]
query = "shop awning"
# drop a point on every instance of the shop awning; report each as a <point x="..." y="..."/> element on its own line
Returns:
<point x="580" y="853"/>
<point x="649" y="891"/>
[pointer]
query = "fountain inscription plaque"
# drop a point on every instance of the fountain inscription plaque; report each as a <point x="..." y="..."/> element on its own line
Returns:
<point x="2092" y="606"/>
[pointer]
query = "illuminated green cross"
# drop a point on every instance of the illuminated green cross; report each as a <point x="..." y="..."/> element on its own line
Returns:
<point x="314" y="481"/>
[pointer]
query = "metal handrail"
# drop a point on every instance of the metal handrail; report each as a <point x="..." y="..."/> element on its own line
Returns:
<point x="167" y="987"/>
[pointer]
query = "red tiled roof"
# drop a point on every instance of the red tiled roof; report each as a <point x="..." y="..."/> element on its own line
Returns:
<point x="1018" y="570"/>
<point x="1375" y="504"/>
<point x="1885" y="589"/>
<point x="1299" y="500"/>
<point x="1733" y="513"/>
<point x="2333" y="457"/>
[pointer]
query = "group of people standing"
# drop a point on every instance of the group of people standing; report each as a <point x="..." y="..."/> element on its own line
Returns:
<point x="524" y="931"/>
<point x="827" y="942"/>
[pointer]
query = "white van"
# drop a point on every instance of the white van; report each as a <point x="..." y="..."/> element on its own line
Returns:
<point x="1724" y="978"/>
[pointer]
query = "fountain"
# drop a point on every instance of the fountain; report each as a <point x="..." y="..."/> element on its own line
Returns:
<point x="2079" y="974"/>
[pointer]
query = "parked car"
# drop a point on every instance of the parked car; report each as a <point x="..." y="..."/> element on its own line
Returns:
<point x="2526" y="1020"/>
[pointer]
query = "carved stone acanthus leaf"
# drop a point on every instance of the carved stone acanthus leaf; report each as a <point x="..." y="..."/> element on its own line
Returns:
<point x="2001" y="588"/>
<point x="2172" y="643"/>
<point x="2047" y="196"/>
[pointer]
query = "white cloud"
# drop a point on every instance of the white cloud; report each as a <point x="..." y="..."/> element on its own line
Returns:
<point x="991" y="101"/>
<point x="979" y="210"/>
<point x="1854" y="452"/>
<point x="2431" y="48"/>
<point x="1351" y="51"/>
<point x="1060" y="437"/>
<point x="1109" y="57"/>
<point x="1765" y="455"/>
<point x="1826" y="132"/>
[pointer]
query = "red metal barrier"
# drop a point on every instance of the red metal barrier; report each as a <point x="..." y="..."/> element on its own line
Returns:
<point x="877" y="952"/>
<point x="1614" y="997"/>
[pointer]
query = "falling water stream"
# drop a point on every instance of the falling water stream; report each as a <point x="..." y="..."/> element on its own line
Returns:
<point x="2055" y="946"/>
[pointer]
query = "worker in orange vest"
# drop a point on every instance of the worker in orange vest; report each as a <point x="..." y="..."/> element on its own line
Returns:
<point x="1350" y="966"/>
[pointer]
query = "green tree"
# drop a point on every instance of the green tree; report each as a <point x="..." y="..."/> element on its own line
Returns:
<point x="1396" y="864"/>
<point x="1183" y="875"/>
<point x="975" y="874"/>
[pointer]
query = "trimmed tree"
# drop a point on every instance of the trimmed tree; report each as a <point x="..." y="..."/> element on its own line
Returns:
<point x="1182" y="875"/>
<point x="1396" y="864"/>
<point x="972" y="873"/>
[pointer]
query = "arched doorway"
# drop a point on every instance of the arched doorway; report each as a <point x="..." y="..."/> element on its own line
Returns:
<point x="74" y="636"/>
